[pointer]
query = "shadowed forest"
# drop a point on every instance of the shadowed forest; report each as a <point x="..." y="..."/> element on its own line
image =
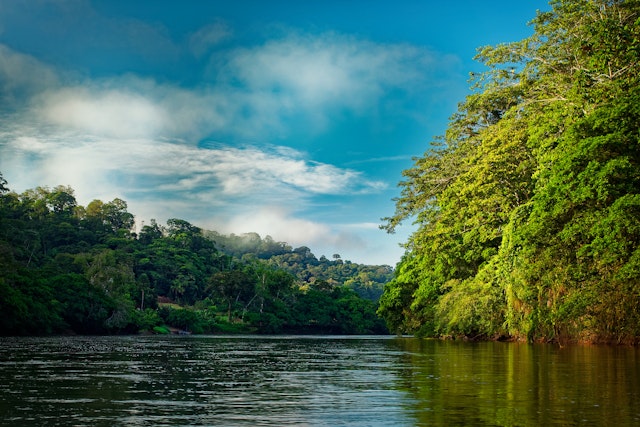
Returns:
<point x="66" y="268"/>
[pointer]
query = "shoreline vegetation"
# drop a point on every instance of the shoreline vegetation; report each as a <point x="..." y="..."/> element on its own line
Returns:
<point x="71" y="269"/>
<point x="527" y="214"/>
<point x="528" y="207"/>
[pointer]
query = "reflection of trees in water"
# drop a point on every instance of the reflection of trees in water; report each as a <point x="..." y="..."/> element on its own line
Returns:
<point x="492" y="383"/>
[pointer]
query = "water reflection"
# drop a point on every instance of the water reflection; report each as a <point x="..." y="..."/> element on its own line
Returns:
<point x="509" y="384"/>
<point x="314" y="381"/>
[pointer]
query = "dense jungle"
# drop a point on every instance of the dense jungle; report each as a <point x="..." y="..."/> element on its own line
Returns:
<point x="71" y="269"/>
<point x="527" y="209"/>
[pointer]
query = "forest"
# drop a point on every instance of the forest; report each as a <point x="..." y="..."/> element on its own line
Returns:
<point x="72" y="269"/>
<point x="527" y="209"/>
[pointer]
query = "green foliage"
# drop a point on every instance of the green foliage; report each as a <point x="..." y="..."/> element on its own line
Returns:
<point x="186" y="319"/>
<point x="527" y="208"/>
<point x="147" y="320"/>
<point x="249" y="243"/>
<point x="232" y="287"/>
<point x="367" y="280"/>
<point x="474" y="307"/>
<point x="66" y="268"/>
<point x="85" y="308"/>
<point x="161" y="330"/>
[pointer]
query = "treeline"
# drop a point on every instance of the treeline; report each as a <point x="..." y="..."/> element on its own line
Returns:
<point x="528" y="208"/>
<point x="67" y="268"/>
<point x="367" y="280"/>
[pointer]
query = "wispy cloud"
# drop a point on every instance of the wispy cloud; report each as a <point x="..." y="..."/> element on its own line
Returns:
<point x="223" y="171"/>
<point x="149" y="141"/>
<point x="209" y="37"/>
<point x="380" y="160"/>
<point x="329" y="68"/>
<point x="282" y="224"/>
<point x="114" y="113"/>
<point x="132" y="125"/>
<point x="22" y="76"/>
<point x="318" y="74"/>
<point x="132" y="107"/>
<point x="248" y="91"/>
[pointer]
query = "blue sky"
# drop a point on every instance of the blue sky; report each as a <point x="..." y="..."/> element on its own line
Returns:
<point x="292" y="119"/>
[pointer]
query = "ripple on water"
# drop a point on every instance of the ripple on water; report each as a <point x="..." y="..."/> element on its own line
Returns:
<point x="316" y="381"/>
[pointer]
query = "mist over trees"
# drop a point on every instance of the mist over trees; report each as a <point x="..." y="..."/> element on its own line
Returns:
<point x="367" y="280"/>
<point x="67" y="268"/>
<point x="528" y="207"/>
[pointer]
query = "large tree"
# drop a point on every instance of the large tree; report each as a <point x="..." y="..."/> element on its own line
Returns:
<point x="527" y="209"/>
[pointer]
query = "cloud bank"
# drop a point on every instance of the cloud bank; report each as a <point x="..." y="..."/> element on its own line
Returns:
<point x="183" y="151"/>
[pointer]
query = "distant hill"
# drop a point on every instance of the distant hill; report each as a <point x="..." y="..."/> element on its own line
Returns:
<point x="72" y="269"/>
<point x="367" y="280"/>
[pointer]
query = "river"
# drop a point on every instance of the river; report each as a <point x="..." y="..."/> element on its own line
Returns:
<point x="312" y="381"/>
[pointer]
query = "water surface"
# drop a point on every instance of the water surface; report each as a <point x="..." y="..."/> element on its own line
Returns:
<point x="312" y="381"/>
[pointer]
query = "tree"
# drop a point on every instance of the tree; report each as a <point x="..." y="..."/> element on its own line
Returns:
<point x="571" y="283"/>
<point x="66" y="268"/>
<point x="179" y="227"/>
<point x="150" y="232"/>
<point x="110" y="218"/>
<point x="522" y="205"/>
<point x="115" y="215"/>
<point x="61" y="200"/>
<point x="231" y="287"/>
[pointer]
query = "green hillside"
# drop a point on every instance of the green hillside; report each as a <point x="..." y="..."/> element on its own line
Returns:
<point x="67" y="268"/>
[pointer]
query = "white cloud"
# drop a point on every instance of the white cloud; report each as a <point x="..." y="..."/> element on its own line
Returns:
<point x="209" y="37"/>
<point x="109" y="113"/>
<point x="21" y="76"/>
<point x="141" y="140"/>
<point x="254" y="92"/>
<point x="279" y="224"/>
<point x="129" y="107"/>
<point x="220" y="172"/>
<point x="329" y="69"/>
<point x="364" y="225"/>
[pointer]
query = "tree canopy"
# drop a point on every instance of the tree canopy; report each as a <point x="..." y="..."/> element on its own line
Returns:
<point x="527" y="208"/>
<point x="66" y="268"/>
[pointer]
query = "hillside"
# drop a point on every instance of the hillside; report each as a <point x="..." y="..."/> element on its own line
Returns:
<point x="367" y="280"/>
<point x="67" y="268"/>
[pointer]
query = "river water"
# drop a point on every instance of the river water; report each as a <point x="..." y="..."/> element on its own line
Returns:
<point x="312" y="381"/>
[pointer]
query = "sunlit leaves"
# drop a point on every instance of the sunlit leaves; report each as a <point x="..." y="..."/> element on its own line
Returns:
<point x="534" y="195"/>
